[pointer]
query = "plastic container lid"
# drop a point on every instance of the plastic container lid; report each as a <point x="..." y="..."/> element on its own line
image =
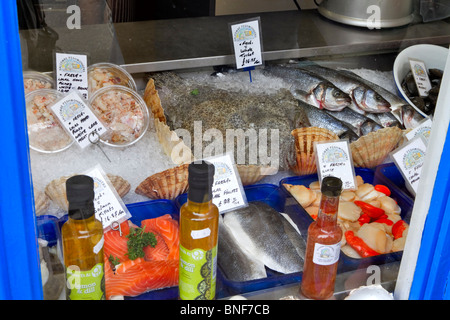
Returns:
<point x="44" y="130"/>
<point x="33" y="80"/>
<point x="123" y="112"/>
<point x="107" y="74"/>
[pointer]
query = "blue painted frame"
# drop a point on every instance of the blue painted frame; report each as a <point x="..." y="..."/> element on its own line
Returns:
<point x="20" y="277"/>
<point x="432" y="271"/>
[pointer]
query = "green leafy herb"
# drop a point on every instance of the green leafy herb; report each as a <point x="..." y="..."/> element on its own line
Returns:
<point x="138" y="239"/>
<point x="195" y="92"/>
<point x="114" y="261"/>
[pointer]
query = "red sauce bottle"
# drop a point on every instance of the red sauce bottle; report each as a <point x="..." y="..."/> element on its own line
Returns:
<point x="323" y="245"/>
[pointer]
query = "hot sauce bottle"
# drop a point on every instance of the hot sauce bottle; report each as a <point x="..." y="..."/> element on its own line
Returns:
<point x="323" y="245"/>
<point x="82" y="238"/>
<point x="199" y="225"/>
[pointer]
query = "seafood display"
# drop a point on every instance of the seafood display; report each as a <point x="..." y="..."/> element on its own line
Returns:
<point x="44" y="131"/>
<point x="106" y="74"/>
<point x="267" y="236"/>
<point x="133" y="267"/>
<point x="123" y="112"/>
<point x="426" y="104"/>
<point x="368" y="216"/>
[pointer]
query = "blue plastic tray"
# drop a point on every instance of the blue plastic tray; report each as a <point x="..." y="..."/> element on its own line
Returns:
<point x="389" y="174"/>
<point x="303" y="219"/>
<point x="275" y="197"/>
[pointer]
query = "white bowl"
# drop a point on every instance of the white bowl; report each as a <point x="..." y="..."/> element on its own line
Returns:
<point x="433" y="56"/>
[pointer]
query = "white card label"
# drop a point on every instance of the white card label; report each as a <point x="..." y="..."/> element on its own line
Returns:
<point x="409" y="159"/>
<point x="420" y="73"/>
<point x="334" y="159"/>
<point x="78" y="118"/>
<point x="247" y="44"/>
<point x="108" y="207"/>
<point x="71" y="73"/>
<point x="227" y="189"/>
<point x="423" y="129"/>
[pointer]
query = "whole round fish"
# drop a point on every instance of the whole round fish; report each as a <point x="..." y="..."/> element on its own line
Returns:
<point x="365" y="97"/>
<point x="311" y="88"/>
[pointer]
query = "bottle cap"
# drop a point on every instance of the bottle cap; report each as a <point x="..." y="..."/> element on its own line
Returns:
<point x="201" y="179"/>
<point x="80" y="193"/>
<point x="331" y="186"/>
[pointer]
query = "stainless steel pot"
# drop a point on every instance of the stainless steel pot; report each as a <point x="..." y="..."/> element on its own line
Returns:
<point x="369" y="13"/>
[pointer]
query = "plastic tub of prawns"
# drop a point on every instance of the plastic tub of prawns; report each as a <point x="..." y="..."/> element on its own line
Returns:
<point x="123" y="112"/>
<point x="274" y="197"/>
<point x="33" y="80"/>
<point x="107" y="74"/>
<point x="45" y="133"/>
<point x="346" y="263"/>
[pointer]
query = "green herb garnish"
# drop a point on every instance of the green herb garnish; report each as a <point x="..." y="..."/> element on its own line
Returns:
<point x="114" y="261"/>
<point x="195" y="92"/>
<point x="138" y="239"/>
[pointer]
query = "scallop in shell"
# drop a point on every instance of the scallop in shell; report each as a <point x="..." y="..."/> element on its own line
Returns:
<point x="56" y="189"/>
<point x="251" y="174"/>
<point x="305" y="159"/>
<point x="41" y="201"/>
<point x="153" y="101"/>
<point x="372" y="149"/>
<point x="167" y="184"/>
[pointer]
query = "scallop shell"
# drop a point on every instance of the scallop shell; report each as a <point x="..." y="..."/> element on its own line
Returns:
<point x="153" y="101"/>
<point x="305" y="158"/>
<point x="56" y="189"/>
<point x="41" y="201"/>
<point x="372" y="149"/>
<point x="167" y="184"/>
<point x="251" y="174"/>
<point x="172" y="145"/>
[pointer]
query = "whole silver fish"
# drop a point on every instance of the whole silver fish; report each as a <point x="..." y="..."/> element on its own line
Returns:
<point x="365" y="97"/>
<point x="354" y="119"/>
<point x="311" y="88"/>
<point x="236" y="263"/>
<point x="309" y="116"/>
<point x="260" y="230"/>
<point x="397" y="103"/>
<point x="410" y="117"/>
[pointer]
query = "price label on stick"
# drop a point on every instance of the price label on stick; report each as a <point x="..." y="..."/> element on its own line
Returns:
<point x="227" y="191"/>
<point x="420" y="73"/>
<point x="71" y="73"/>
<point x="109" y="208"/>
<point x="246" y="39"/>
<point x="78" y="119"/>
<point x="334" y="159"/>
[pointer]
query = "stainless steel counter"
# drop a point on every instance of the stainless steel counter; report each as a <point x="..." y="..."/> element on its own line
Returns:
<point x="202" y="42"/>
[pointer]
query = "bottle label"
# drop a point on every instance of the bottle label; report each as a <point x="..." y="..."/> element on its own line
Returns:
<point x="85" y="285"/>
<point x="326" y="255"/>
<point x="197" y="274"/>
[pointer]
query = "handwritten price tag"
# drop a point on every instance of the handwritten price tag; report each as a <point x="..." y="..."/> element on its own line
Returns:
<point x="71" y="73"/>
<point x="334" y="159"/>
<point x="409" y="160"/>
<point x="78" y="119"/>
<point x="109" y="208"/>
<point x="247" y="44"/>
<point x="227" y="190"/>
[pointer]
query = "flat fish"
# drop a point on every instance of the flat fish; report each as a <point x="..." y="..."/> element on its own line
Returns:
<point x="234" y="261"/>
<point x="260" y="230"/>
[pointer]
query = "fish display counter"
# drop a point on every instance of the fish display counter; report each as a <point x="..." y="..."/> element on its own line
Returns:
<point x="172" y="101"/>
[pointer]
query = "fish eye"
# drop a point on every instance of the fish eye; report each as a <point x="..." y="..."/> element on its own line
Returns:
<point x="337" y="94"/>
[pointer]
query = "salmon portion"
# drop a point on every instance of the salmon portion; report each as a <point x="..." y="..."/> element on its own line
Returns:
<point x="159" y="267"/>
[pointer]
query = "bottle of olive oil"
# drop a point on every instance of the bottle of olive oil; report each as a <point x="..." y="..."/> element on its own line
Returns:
<point x="82" y="238"/>
<point x="199" y="224"/>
